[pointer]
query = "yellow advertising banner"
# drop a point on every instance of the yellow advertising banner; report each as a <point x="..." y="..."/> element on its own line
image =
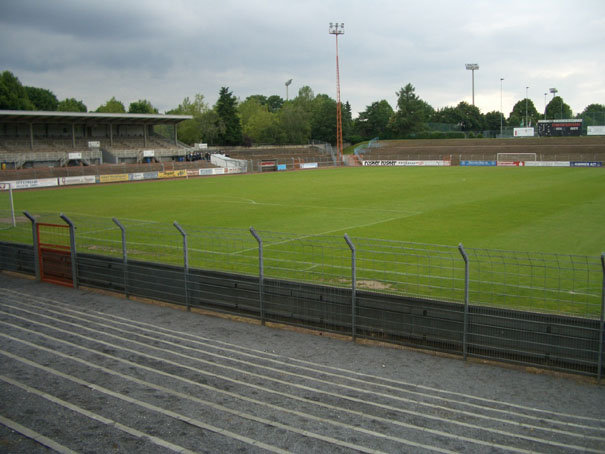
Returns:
<point x="113" y="178"/>
<point x="172" y="174"/>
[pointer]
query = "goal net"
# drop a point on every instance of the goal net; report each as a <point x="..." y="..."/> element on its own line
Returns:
<point x="516" y="157"/>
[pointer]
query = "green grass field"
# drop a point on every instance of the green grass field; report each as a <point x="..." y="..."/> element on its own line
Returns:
<point x="558" y="210"/>
<point x="303" y="216"/>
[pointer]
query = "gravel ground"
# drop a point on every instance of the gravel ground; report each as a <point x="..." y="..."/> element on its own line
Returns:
<point x="86" y="372"/>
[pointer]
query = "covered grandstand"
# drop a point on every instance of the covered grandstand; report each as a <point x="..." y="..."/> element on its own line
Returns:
<point x="55" y="139"/>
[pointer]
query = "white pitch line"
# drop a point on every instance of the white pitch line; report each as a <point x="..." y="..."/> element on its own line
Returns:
<point x="96" y="417"/>
<point x="303" y="237"/>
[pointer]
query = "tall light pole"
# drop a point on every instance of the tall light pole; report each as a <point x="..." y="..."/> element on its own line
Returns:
<point x="472" y="67"/>
<point x="501" y="113"/>
<point x="288" y="82"/>
<point x="338" y="29"/>
<point x="545" y="95"/>
<point x="526" y="123"/>
<point x="554" y="92"/>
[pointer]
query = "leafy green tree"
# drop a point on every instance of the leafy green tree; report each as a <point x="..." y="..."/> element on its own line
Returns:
<point x="42" y="99"/>
<point x="202" y="127"/>
<point x="261" y="99"/>
<point x="274" y="103"/>
<point x="593" y="115"/>
<point x="305" y="98"/>
<point x="374" y="121"/>
<point x="230" y="128"/>
<point x="517" y="115"/>
<point x="556" y="109"/>
<point x="412" y="113"/>
<point x="493" y="119"/>
<point x="13" y="95"/>
<point x="469" y="117"/>
<point x="294" y="123"/>
<point x="347" y="122"/>
<point x="259" y="125"/>
<point x="446" y="115"/>
<point x="71" y="105"/>
<point x="142" y="106"/>
<point x="323" y="119"/>
<point x="112" y="106"/>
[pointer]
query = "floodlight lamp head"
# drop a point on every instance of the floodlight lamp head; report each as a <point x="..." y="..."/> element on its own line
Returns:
<point x="336" y="28"/>
<point x="553" y="90"/>
<point x="472" y="66"/>
<point x="288" y="82"/>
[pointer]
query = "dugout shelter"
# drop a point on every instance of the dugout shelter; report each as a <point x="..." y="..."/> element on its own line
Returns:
<point x="42" y="139"/>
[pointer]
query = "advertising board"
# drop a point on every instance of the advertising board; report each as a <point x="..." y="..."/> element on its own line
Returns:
<point x="479" y="163"/>
<point x="596" y="131"/>
<point x="212" y="171"/>
<point x="309" y="165"/>
<point x="86" y="179"/>
<point x="547" y="164"/>
<point x="523" y="132"/>
<point x="398" y="163"/>
<point x="586" y="164"/>
<point x="148" y="153"/>
<point x="172" y="174"/>
<point x="511" y="163"/>
<point x="28" y="184"/>
<point x="113" y="178"/>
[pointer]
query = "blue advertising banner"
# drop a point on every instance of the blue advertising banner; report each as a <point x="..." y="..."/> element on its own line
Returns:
<point x="586" y="164"/>
<point x="479" y="163"/>
<point x="281" y="166"/>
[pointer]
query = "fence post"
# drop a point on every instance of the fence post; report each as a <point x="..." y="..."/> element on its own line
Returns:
<point x="35" y="243"/>
<point x="466" y="282"/>
<point x="261" y="275"/>
<point x="185" y="263"/>
<point x="72" y="246"/>
<point x="600" y="361"/>
<point x="353" y="287"/>
<point x="124" y="255"/>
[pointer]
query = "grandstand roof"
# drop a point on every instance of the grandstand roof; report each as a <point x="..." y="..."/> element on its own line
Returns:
<point x="31" y="116"/>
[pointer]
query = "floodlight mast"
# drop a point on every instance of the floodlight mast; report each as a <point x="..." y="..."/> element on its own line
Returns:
<point x="472" y="67"/>
<point x="288" y="82"/>
<point x="338" y="29"/>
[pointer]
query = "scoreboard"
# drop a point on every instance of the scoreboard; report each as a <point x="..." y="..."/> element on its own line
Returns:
<point x="554" y="128"/>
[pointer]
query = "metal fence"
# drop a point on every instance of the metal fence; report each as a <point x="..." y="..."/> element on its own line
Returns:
<point x="528" y="308"/>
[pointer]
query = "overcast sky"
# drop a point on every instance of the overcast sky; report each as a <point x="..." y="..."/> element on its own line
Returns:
<point x="164" y="51"/>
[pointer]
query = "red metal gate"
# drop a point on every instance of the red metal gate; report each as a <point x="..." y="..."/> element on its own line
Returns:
<point x="54" y="254"/>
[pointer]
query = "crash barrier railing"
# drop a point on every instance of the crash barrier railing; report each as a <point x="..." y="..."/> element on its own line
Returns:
<point x="527" y="308"/>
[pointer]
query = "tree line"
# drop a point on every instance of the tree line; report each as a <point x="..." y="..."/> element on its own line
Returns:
<point x="263" y="119"/>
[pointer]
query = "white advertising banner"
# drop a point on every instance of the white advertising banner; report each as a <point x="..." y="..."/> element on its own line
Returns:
<point x="396" y="163"/>
<point x="74" y="155"/>
<point x="94" y="144"/>
<point x="212" y="171"/>
<point x="596" y="131"/>
<point x="148" y="153"/>
<point x="523" y="132"/>
<point x="87" y="179"/>
<point x="547" y="164"/>
<point x="309" y="165"/>
<point x="28" y="184"/>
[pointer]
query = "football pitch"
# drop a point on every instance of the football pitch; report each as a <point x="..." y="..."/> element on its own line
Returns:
<point x="552" y="210"/>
